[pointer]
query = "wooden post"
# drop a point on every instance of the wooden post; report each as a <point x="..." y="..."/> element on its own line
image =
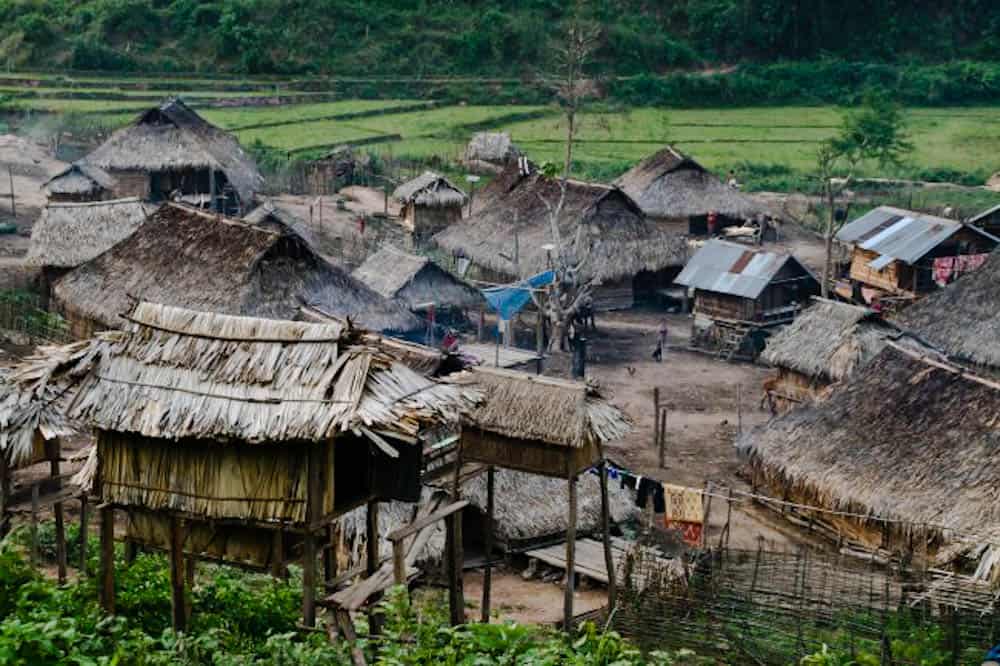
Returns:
<point x="84" y="528"/>
<point x="708" y="512"/>
<point x="399" y="561"/>
<point x="107" y="517"/>
<point x="739" y="409"/>
<point x="330" y="555"/>
<point x="278" y="554"/>
<point x="570" y="557"/>
<point x="371" y="547"/>
<point x="34" y="524"/>
<point x="13" y="206"/>
<point x="488" y="544"/>
<point x="211" y="189"/>
<point x="456" y="558"/>
<point x="309" y="578"/>
<point x="131" y="551"/>
<point x="609" y="561"/>
<point x="54" y="452"/>
<point x="481" y="325"/>
<point x="178" y="603"/>
<point x="663" y="438"/>
<point x="190" y="569"/>
<point x="4" y="495"/>
<point x="656" y="416"/>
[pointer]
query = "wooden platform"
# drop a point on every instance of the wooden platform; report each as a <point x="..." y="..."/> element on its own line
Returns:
<point x="590" y="557"/>
<point x="509" y="357"/>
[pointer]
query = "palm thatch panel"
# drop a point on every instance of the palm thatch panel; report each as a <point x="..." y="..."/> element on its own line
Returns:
<point x="431" y="190"/>
<point x="180" y="374"/>
<point x="37" y="392"/>
<point x="70" y="234"/>
<point x="174" y="137"/>
<point x="669" y="184"/>
<point x="828" y="341"/>
<point x="541" y="409"/>
<point x="414" y="279"/>
<point x="599" y="225"/>
<point x="80" y="179"/>
<point x="963" y="319"/>
<point x="189" y="258"/>
<point x="907" y="438"/>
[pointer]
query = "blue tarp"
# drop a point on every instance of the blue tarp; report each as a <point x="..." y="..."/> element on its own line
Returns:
<point x="509" y="300"/>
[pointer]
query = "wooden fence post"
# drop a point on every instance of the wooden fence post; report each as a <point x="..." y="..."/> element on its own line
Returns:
<point x="488" y="544"/>
<point x="609" y="560"/>
<point x="570" y="557"/>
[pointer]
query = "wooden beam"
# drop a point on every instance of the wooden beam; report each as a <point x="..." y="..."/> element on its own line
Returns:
<point x="570" y="555"/>
<point x="488" y="544"/>
<point x="430" y="519"/>
<point x="178" y="603"/>
<point x="107" y="518"/>
<point x="609" y="561"/>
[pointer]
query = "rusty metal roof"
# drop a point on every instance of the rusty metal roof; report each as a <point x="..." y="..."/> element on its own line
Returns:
<point x="730" y="268"/>
<point x="898" y="234"/>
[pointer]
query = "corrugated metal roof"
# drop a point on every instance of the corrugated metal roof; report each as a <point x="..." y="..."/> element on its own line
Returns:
<point x="728" y="268"/>
<point x="986" y="213"/>
<point x="899" y="234"/>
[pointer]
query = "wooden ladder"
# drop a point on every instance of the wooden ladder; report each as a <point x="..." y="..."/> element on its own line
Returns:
<point x="732" y="341"/>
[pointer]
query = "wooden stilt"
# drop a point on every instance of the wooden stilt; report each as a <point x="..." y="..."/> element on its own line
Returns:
<point x="131" y="551"/>
<point x="609" y="561"/>
<point x="54" y="455"/>
<point x="178" y="603"/>
<point x="4" y="495"/>
<point x="372" y="561"/>
<point x="309" y="579"/>
<point x="330" y="555"/>
<point x="456" y="604"/>
<point x="488" y="545"/>
<point x="399" y="562"/>
<point x="278" y="554"/>
<point x="34" y="524"/>
<point x="570" y="557"/>
<point x="84" y="529"/>
<point x="190" y="570"/>
<point x="107" y="517"/>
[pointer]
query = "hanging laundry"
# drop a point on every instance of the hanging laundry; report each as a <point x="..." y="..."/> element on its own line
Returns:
<point x="943" y="269"/>
<point x="684" y="512"/>
<point x="969" y="262"/>
<point x="650" y="489"/>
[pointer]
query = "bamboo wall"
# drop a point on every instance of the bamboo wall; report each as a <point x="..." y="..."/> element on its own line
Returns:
<point x="131" y="184"/>
<point x="889" y="278"/>
<point x="791" y="389"/>
<point x="723" y="306"/>
<point x="526" y="455"/>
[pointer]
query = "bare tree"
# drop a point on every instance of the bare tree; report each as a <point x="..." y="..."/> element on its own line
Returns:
<point x="571" y="289"/>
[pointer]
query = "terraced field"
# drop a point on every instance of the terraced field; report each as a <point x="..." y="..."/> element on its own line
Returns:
<point x="304" y="123"/>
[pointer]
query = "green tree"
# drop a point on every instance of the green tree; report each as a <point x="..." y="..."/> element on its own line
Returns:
<point x="875" y="132"/>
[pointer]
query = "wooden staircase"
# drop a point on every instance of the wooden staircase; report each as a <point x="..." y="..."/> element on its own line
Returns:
<point x="732" y="339"/>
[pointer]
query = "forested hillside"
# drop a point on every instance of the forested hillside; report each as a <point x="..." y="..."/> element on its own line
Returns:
<point x="469" y="37"/>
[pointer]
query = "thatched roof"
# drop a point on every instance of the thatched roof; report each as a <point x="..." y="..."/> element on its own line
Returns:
<point x="429" y="189"/>
<point x="189" y="258"/>
<point x="172" y="136"/>
<point x="542" y="409"/>
<point x="963" y="319"/>
<point x="829" y="341"/>
<point x="179" y="373"/>
<point x="669" y="184"/>
<point x="597" y="222"/>
<point x="414" y="279"/>
<point x="37" y="392"/>
<point x="80" y="179"/>
<point x="493" y="147"/>
<point x="527" y="508"/>
<point x="69" y="234"/>
<point x="907" y="438"/>
<point x="269" y="215"/>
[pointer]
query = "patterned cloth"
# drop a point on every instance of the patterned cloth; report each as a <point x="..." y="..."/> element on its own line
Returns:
<point x="684" y="512"/>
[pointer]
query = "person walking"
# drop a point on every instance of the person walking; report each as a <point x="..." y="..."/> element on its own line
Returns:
<point x="661" y="342"/>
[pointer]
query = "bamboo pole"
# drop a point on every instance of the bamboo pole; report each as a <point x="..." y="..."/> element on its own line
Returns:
<point x="609" y="561"/>
<point x="570" y="557"/>
<point x="107" y="518"/>
<point x="488" y="541"/>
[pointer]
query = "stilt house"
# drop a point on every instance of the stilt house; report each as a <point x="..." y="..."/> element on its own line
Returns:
<point x="674" y="190"/>
<point x="429" y="203"/>
<point x="509" y="230"/>
<point x="988" y="221"/>
<point x="825" y="344"/>
<point x="902" y="254"/>
<point x="240" y="439"/>
<point x="170" y="152"/>
<point x="739" y="288"/>
<point x="898" y="460"/>
<point x="190" y="258"/>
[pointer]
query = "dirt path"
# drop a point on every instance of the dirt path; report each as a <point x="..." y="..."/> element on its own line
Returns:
<point x="527" y="601"/>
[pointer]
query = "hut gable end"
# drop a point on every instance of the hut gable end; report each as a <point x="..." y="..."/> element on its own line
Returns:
<point x="70" y="234"/>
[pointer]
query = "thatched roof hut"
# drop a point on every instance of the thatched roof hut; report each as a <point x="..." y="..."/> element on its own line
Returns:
<point x="415" y="280"/>
<point x="491" y="148"/>
<point x="907" y="439"/>
<point x="598" y="222"/>
<point x="669" y="185"/>
<point x="173" y="138"/>
<point x="963" y="319"/>
<point x="67" y="235"/>
<point x="431" y="190"/>
<point x="80" y="181"/>
<point x="542" y="425"/>
<point x="829" y="341"/>
<point x="185" y="257"/>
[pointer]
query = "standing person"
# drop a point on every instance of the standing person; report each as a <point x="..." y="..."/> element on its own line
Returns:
<point x="712" y="220"/>
<point x="661" y="342"/>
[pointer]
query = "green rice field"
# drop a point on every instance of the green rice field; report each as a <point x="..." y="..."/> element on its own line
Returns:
<point x="965" y="140"/>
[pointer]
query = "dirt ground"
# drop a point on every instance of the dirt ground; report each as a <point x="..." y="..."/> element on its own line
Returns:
<point x="528" y="601"/>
